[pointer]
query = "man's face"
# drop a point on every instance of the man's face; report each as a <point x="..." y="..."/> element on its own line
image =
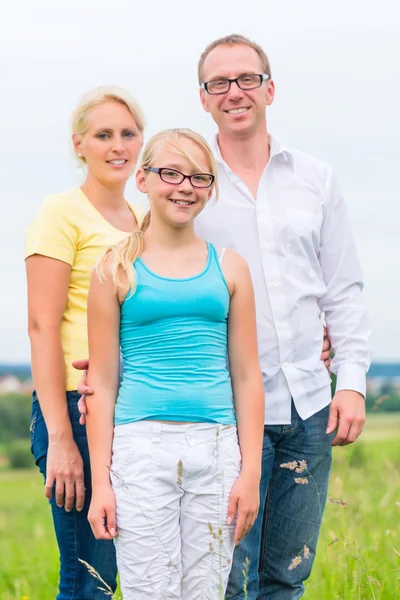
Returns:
<point x="236" y="112"/>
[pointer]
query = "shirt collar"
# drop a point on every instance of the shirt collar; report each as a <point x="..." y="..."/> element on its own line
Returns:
<point x="277" y="148"/>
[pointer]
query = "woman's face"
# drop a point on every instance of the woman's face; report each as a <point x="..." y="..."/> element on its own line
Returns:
<point x="177" y="204"/>
<point x="111" y="144"/>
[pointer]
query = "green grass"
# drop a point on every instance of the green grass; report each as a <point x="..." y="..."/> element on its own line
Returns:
<point x="357" y="551"/>
<point x="356" y="557"/>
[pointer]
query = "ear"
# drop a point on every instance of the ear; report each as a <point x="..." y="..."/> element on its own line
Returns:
<point x="204" y="99"/>
<point x="270" y="92"/>
<point x="141" y="182"/>
<point x="76" y="142"/>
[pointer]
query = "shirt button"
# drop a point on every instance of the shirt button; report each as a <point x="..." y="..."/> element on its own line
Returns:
<point x="285" y="365"/>
<point x="274" y="285"/>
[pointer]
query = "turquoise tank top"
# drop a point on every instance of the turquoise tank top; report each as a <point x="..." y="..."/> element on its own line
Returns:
<point x="173" y="336"/>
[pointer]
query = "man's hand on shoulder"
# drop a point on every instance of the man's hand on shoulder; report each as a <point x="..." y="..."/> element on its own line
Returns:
<point x="347" y="414"/>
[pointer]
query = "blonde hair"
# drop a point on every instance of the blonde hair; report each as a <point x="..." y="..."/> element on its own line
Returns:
<point x="125" y="253"/>
<point x="233" y="40"/>
<point x="99" y="95"/>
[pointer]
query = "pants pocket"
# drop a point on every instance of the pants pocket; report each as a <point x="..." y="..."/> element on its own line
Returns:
<point x="34" y="416"/>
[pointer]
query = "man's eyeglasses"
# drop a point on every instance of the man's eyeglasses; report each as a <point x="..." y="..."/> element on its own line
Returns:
<point x="244" y="82"/>
<point x="198" y="180"/>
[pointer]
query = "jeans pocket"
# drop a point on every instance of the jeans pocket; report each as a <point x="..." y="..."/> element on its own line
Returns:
<point x="34" y="416"/>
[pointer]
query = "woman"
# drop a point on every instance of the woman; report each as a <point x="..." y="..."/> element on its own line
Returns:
<point x="178" y="308"/>
<point x="63" y="243"/>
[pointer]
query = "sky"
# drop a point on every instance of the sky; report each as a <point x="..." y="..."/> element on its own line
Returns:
<point x="336" y="70"/>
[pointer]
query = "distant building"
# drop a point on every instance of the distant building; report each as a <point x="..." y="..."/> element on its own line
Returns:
<point x="10" y="385"/>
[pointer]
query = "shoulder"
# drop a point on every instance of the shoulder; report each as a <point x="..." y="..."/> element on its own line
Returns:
<point x="309" y="163"/>
<point x="235" y="269"/>
<point x="63" y="206"/>
<point x="62" y="200"/>
<point x="232" y="258"/>
<point x="55" y="229"/>
<point x="312" y="173"/>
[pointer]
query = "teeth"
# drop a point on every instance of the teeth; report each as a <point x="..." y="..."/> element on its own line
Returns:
<point x="237" y="111"/>
<point x="181" y="202"/>
<point x="117" y="162"/>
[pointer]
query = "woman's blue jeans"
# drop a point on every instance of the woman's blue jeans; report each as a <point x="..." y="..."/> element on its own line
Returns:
<point x="74" y="535"/>
<point x="290" y="513"/>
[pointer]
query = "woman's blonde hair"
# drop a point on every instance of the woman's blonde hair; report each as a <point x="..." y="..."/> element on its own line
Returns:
<point x="99" y="95"/>
<point x="125" y="253"/>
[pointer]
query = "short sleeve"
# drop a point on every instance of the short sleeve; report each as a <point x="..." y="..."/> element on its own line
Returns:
<point x="53" y="232"/>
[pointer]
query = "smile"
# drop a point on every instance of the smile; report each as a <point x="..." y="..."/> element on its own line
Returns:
<point x="237" y="111"/>
<point x="182" y="202"/>
<point x="117" y="161"/>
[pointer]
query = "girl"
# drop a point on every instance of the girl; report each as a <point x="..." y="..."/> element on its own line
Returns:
<point x="167" y="471"/>
<point x="63" y="243"/>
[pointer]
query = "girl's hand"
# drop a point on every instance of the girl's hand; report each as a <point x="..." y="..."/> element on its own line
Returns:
<point x="101" y="514"/>
<point x="245" y="501"/>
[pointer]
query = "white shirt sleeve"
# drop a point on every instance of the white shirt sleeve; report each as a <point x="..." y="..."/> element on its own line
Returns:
<point x="346" y="316"/>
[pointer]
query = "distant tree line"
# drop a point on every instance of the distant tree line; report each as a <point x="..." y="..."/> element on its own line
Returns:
<point x="15" y="416"/>
<point x="15" y="412"/>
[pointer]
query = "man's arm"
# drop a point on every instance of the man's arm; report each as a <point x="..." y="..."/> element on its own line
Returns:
<point x="346" y="317"/>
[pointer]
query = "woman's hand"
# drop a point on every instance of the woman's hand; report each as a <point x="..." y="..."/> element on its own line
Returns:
<point x="102" y="513"/>
<point x="65" y="470"/>
<point x="245" y="501"/>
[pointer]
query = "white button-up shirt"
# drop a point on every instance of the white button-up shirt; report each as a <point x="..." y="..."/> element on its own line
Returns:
<point x="297" y="241"/>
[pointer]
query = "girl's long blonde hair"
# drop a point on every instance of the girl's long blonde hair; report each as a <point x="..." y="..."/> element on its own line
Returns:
<point x="125" y="253"/>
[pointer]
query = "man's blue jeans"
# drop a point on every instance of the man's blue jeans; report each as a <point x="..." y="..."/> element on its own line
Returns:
<point x="74" y="535"/>
<point x="290" y="513"/>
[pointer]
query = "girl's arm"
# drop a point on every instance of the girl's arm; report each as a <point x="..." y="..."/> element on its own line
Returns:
<point x="103" y="378"/>
<point x="48" y="281"/>
<point x="248" y="391"/>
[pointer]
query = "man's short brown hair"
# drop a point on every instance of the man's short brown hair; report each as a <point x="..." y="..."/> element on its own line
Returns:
<point x="233" y="40"/>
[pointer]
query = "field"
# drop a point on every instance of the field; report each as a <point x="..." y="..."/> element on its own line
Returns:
<point x="359" y="550"/>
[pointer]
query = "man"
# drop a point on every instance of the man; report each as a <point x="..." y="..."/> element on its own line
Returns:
<point x="283" y="212"/>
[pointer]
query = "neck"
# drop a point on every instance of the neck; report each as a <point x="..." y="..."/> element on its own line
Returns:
<point x="246" y="152"/>
<point x="101" y="195"/>
<point x="163" y="235"/>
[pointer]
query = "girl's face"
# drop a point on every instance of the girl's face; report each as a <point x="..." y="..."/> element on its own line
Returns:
<point x="111" y="144"/>
<point x="177" y="203"/>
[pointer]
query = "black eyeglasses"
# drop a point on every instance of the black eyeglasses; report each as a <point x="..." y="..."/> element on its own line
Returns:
<point x="198" y="180"/>
<point x="244" y="82"/>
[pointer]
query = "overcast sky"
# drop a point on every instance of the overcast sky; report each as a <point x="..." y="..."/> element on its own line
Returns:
<point x="336" y="69"/>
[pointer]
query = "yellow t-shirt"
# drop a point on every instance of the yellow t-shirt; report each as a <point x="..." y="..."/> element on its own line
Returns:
<point x="69" y="228"/>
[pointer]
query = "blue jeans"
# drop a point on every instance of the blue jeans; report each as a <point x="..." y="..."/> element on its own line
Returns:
<point x="74" y="535"/>
<point x="290" y="513"/>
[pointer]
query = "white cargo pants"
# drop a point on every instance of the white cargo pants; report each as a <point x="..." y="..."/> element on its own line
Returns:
<point x="172" y="484"/>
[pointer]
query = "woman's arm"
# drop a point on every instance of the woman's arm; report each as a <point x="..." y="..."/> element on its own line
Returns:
<point x="248" y="391"/>
<point x="48" y="281"/>
<point x="103" y="377"/>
